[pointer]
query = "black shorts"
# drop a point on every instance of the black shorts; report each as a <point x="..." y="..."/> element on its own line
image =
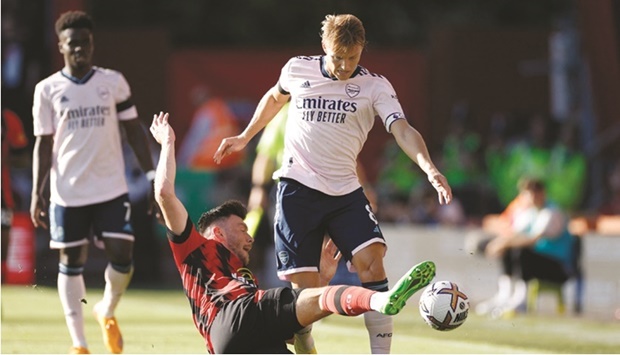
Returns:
<point x="247" y="327"/>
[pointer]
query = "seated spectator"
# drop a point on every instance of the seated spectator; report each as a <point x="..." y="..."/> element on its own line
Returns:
<point x="477" y="241"/>
<point x="537" y="245"/>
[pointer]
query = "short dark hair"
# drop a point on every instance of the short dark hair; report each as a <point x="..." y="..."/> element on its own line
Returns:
<point x="225" y="210"/>
<point x="74" y="19"/>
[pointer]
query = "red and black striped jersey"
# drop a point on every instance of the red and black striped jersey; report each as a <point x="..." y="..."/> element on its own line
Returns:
<point x="211" y="275"/>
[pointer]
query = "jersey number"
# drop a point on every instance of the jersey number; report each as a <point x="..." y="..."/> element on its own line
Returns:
<point x="128" y="212"/>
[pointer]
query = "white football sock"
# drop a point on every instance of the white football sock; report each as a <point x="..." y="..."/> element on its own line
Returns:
<point x="505" y="288"/>
<point x="72" y="291"/>
<point x="115" y="285"/>
<point x="518" y="296"/>
<point x="380" y="328"/>
<point x="378" y="300"/>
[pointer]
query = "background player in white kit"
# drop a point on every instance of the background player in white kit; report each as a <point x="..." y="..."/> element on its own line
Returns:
<point x="334" y="102"/>
<point x="78" y="143"/>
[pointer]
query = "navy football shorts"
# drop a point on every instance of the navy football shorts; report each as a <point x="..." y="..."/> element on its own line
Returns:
<point x="304" y="216"/>
<point x="72" y="226"/>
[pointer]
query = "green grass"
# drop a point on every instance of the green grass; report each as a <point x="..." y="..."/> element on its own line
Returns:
<point x="159" y="321"/>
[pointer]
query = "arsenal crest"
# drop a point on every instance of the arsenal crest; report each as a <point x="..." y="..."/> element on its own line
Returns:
<point x="352" y="90"/>
<point x="103" y="92"/>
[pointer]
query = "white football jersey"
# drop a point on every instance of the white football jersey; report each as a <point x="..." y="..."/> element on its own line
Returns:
<point x="82" y="115"/>
<point x="328" y="122"/>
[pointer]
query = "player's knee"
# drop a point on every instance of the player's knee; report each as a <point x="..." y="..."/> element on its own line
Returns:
<point x="74" y="257"/>
<point x="368" y="262"/>
<point x="122" y="268"/>
<point x="370" y="270"/>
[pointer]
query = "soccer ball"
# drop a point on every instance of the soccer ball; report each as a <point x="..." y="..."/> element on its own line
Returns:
<point x="443" y="306"/>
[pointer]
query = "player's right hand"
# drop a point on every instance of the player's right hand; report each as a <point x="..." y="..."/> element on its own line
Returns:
<point x="37" y="212"/>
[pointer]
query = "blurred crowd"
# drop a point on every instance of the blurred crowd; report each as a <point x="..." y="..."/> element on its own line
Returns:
<point x="482" y="157"/>
<point x="483" y="168"/>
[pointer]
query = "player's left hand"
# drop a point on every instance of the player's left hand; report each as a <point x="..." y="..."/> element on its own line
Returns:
<point x="440" y="183"/>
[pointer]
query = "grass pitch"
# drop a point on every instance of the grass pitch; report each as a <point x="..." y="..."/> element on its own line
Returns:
<point x="159" y="321"/>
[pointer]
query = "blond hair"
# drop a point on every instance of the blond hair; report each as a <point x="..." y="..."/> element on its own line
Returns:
<point x="342" y="32"/>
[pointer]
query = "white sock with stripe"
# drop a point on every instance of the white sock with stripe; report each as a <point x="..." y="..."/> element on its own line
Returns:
<point x="72" y="291"/>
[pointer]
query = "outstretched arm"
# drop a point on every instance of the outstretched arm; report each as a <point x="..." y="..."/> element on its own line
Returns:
<point x="412" y="143"/>
<point x="267" y="108"/>
<point x="173" y="211"/>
